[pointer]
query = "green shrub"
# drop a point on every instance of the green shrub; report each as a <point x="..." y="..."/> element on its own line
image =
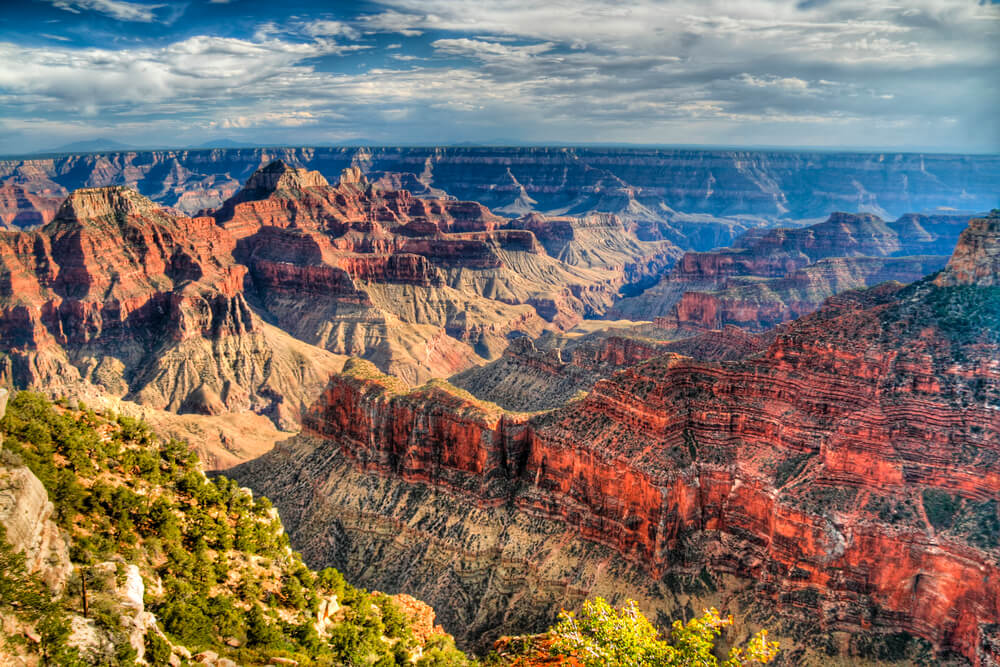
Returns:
<point x="134" y="497"/>
<point x="940" y="507"/>
<point x="603" y="635"/>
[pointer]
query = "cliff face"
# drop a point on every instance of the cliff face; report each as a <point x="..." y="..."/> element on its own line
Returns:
<point x="772" y="276"/>
<point x="549" y="372"/>
<point x="118" y="296"/>
<point x="642" y="184"/>
<point x="249" y="308"/>
<point x="26" y="516"/>
<point x="843" y="482"/>
<point x="422" y="287"/>
<point x="976" y="260"/>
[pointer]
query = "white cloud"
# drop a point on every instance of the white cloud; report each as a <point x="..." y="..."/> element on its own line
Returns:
<point x="266" y="119"/>
<point x="648" y="70"/>
<point x="841" y="31"/>
<point x="789" y="83"/>
<point x="489" y="51"/>
<point x="327" y="28"/>
<point x="118" y="9"/>
<point x="395" y="22"/>
<point x="194" y="69"/>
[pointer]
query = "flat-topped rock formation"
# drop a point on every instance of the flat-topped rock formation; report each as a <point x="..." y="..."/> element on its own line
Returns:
<point x="217" y="313"/>
<point x="423" y="287"/>
<point x="118" y="296"/>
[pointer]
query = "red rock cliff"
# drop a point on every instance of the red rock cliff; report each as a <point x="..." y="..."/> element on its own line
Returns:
<point x="850" y="471"/>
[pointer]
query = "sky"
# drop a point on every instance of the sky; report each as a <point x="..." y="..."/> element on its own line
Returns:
<point x="921" y="75"/>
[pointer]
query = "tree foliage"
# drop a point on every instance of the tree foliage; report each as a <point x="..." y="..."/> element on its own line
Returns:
<point x="602" y="635"/>
<point x="230" y="582"/>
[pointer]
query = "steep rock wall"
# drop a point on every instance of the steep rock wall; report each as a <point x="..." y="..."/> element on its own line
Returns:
<point x="847" y="476"/>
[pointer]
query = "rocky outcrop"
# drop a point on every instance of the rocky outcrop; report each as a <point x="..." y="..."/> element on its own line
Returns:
<point x="26" y="515"/>
<point x="282" y="195"/>
<point x="842" y="483"/>
<point x="118" y="296"/>
<point x="192" y="315"/>
<point x="676" y="191"/>
<point x="603" y="241"/>
<point x="26" y="206"/>
<point x="773" y="276"/>
<point x="422" y="287"/>
<point x="758" y="305"/>
<point x="550" y="371"/>
<point x="976" y="260"/>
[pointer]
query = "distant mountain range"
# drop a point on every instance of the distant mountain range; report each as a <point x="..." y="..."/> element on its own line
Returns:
<point x="672" y="188"/>
<point x="87" y="146"/>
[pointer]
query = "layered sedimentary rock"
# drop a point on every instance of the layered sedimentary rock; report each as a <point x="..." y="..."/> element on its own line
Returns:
<point x="841" y="485"/>
<point x="27" y="206"/>
<point x="757" y="305"/>
<point x="422" y="287"/>
<point x="552" y="370"/>
<point x="115" y="295"/>
<point x="773" y="276"/>
<point x="976" y="260"/>
<point x="247" y="309"/>
<point x="676" y="190"/>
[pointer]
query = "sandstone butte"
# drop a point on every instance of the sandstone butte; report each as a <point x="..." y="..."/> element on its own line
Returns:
<point x="840" y="486"/>
<point x="117" y="297"/>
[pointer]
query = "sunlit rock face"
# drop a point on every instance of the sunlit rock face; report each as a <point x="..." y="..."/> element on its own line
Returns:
<point x="976" y="260"/>
<point x="841" y="485"/>
<point x="252" y="307"/>
<point x="423" y="287"/>
<point x="116" y="296"/>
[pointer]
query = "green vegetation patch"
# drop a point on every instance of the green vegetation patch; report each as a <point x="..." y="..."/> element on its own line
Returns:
<point x="228" y="580"/>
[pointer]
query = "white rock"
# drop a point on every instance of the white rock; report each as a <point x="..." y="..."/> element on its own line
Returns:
<point x="133" y="592"/>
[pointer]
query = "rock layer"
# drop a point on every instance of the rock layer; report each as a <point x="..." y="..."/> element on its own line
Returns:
<point x="654" y="185"/>
<point x="116" y="295"/>
<point x="843" y="482"/>
<point x="422" y="287"/>
<point x="772" y="276"/>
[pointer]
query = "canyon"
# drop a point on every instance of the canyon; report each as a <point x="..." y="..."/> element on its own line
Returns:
<point x="251" y="307"/>
<point x="508" y="380"/>
<point x="840" y="485"/>
<point x="672" y="192"/>
<point x="770" y="276"/>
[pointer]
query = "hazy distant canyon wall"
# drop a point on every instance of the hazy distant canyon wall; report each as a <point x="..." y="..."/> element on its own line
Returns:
<point x="643" y="184"/>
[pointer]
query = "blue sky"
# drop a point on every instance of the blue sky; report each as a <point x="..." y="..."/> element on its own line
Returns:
<point x="913" y="75"/>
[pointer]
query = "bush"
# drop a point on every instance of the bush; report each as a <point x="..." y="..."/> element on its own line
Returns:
<point x="157" y="650"/>
<point x="605" y="636"/>
<point x="941" y="507"/>
<point x="133" y="499"/>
